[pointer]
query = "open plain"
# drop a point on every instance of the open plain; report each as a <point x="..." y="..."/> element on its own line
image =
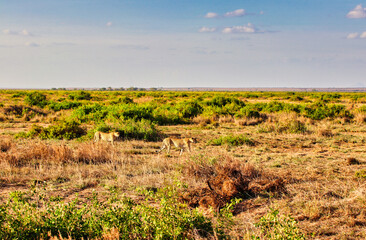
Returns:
<point x="267" y="165"/>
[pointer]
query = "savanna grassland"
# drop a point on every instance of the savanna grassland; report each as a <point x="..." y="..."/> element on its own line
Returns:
<point x="267" y="165"/>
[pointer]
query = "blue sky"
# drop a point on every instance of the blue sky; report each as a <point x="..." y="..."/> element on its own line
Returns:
<point x="162" y="43"/>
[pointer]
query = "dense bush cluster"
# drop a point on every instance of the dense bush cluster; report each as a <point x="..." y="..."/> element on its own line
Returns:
<point x="118" y="218"/>
<point x="36" y="99"/>
<point x="63" y="130"/>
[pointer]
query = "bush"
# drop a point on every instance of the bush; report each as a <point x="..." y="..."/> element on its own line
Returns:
<point x="320" y="110"/>
<point x="80" y="95"/>
<point x="361" y="173"/>
<point x="125" y="100"/>
<point x="275" y="227"/>
<point x="189" y="109"/>
<point x="36" y="99"/>
<point x="136" y="112"/>
<point x="140" y="130"/>
<point x="57" y="106"/>
<point x="20" y="218"/>
<point x="221" y="101"/>
<point x="293" y="126"/>
<point x="362" y="109"/>
<point x="64" y="130"/>
<point x="247" y="112"/>
<point x="92" y="112"/>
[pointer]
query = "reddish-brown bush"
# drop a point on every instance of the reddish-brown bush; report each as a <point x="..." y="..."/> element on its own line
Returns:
<point x="231" y="179"/>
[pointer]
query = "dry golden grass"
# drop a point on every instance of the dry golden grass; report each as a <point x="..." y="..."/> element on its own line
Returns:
<point x="317" y="168"/>
<point x="360" y="118"/>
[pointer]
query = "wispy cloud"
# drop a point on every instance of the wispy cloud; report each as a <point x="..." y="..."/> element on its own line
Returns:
<point x="9" y="32"/>
<point x="357" y="12"/>
<point x="24" y="32"/>
<point x="109" y="24"/>
<point x="249" y="28"/>
<point x="207" y="30"/>
<point x="237" y="13"/>
<point x="211" y="15"/>
<point x="353" y="35"/>
<point x="356" y="35"/>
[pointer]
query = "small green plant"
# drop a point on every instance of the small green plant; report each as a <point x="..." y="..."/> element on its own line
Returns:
<point x="232" y="140"/>
<point x="362" y="109"/>
<point x="275" y="227"/>
<point x="225" y="217"/>
<point x="361" y="173"/>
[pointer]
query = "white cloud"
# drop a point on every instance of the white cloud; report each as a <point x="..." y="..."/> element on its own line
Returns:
<point x="352" y="35"/>
<point x="249" y="28"/>
<point x="31" y="44"/>
<point x="24" y="32"/>
<point x="109" y="24"/>
<point x="236" y="13"/>
<point x="356" y="35"/>
<point x="9" y="32"/>
<point x="357" y="12"/>
<point x="206" y="30"/>
<point x="211" y="15"/>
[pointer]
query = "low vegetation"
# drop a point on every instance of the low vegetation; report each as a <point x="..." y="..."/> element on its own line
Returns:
<point x="267" y="165"/>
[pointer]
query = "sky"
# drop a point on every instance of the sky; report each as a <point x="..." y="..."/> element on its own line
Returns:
<point x="182" y="43"/>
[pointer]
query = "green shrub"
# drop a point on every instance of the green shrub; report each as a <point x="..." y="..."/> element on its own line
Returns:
<point x="189" y="109"/>
<point x="64" y="130"/>
<point x="136" y="112"/>
<point x="57" y="106"/>
<point x="275" y="227"/>
<point x="19" y="94"/>
<point x="20" y="218"/>
<point x="91" y="112"/>
<point x="80" y="95"/>
<point x="103" y="127"/>
<point x="360" y="173"/>
<point x="36" y="99"/>
<point x="362" y="109"/>
<point x="221" y="101"/>
<point x="247" y="112"/>
<point x="140" y="130"/>
<point x="164" y="115"/>
<point x="125" y="100"/>
<point x="231" y="140"/>
<point x="320" y="110"/>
